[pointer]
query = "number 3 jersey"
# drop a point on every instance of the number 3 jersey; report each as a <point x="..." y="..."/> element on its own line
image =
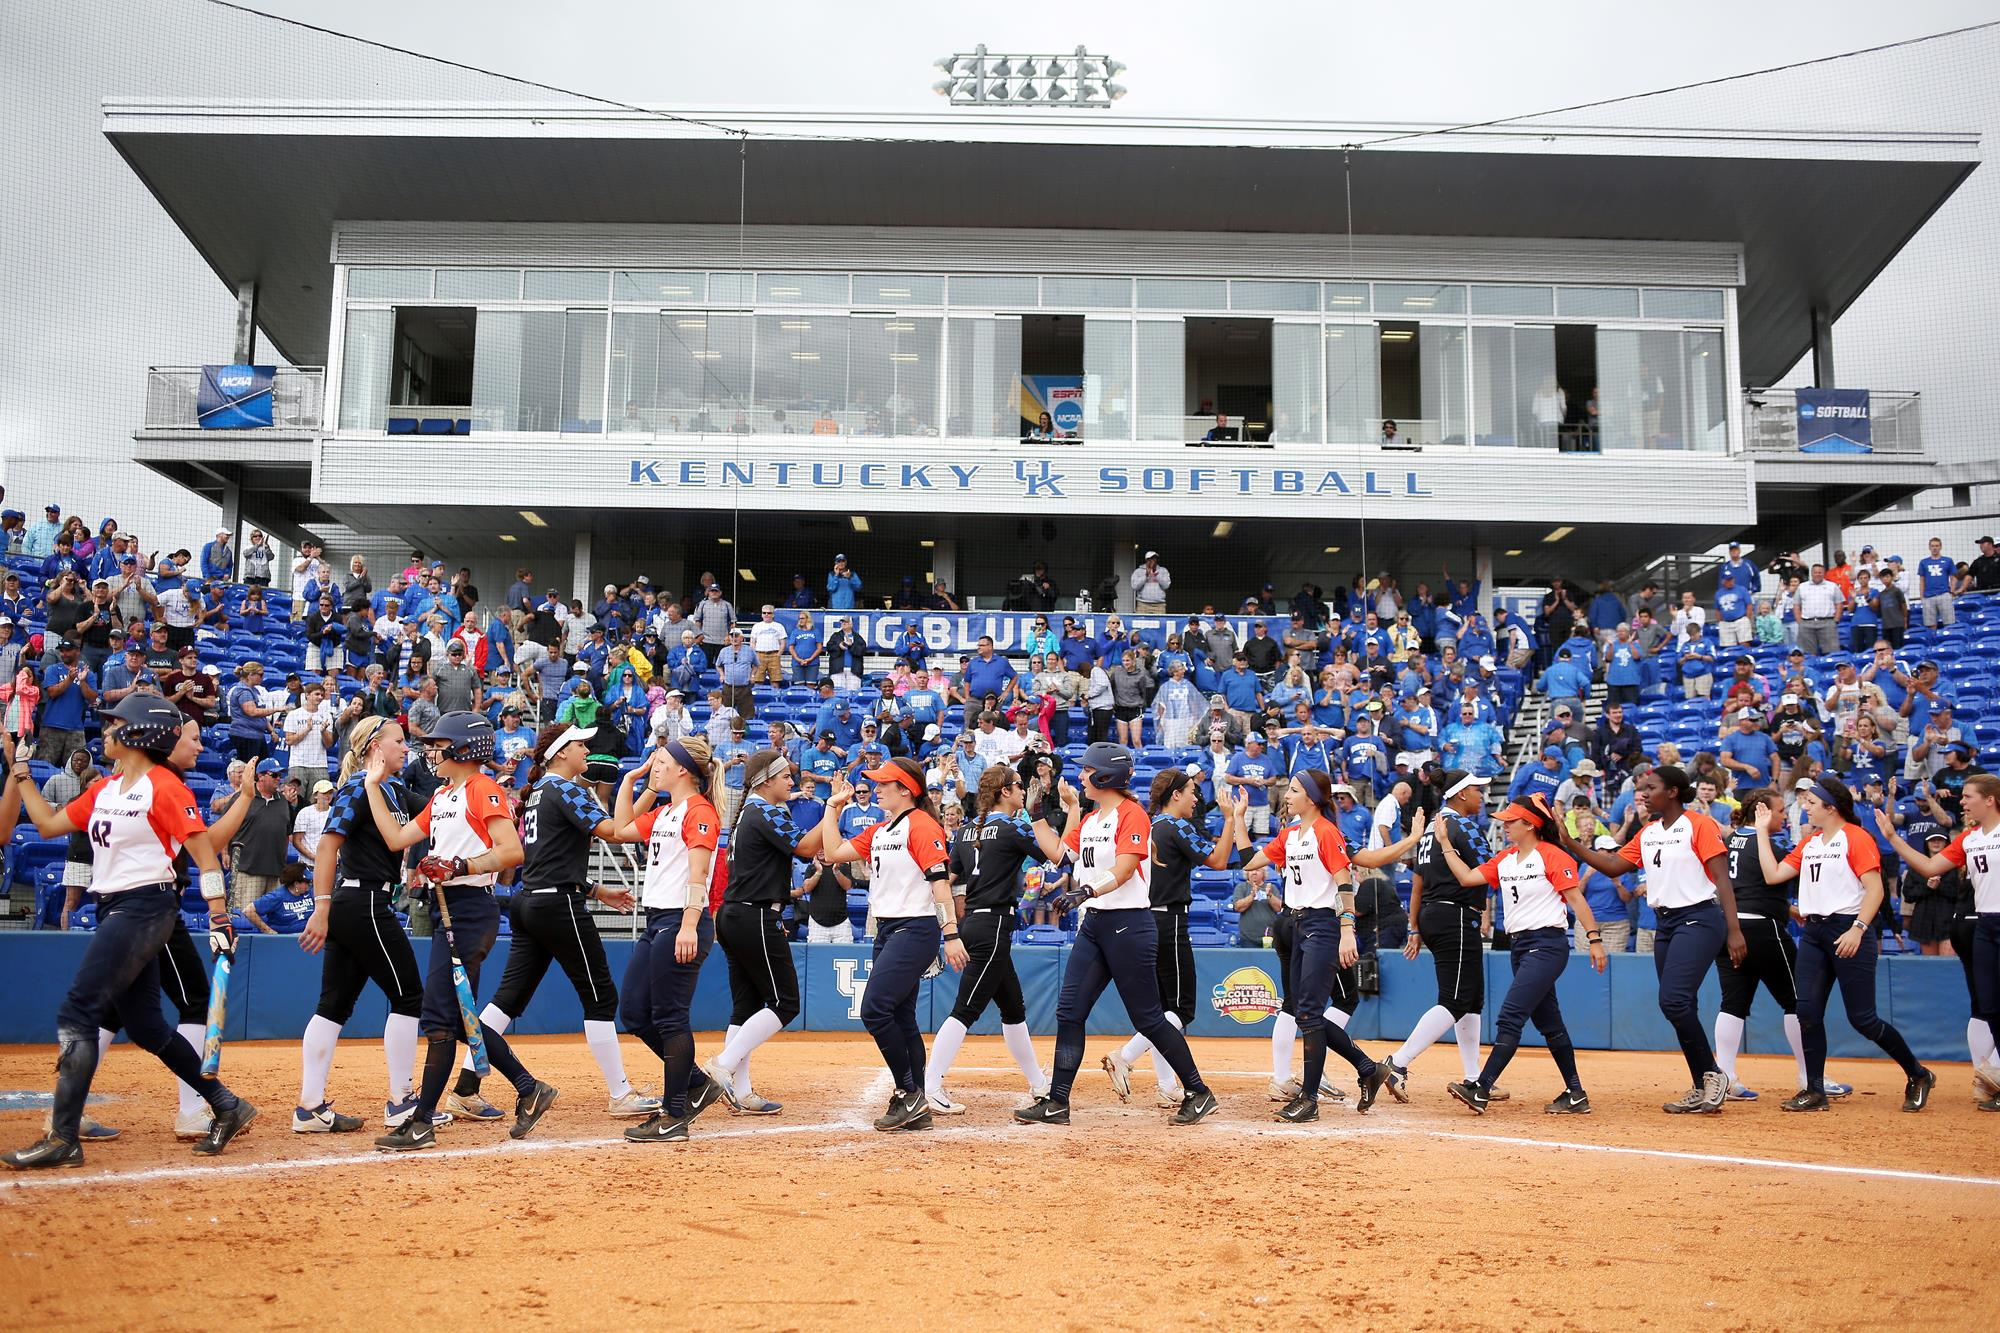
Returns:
<point x="1312" y="860"/>
<point x="135" y="831"/>
<point x="1532" y="885"/>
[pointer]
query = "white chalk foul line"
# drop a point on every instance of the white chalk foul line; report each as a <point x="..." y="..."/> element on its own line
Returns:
<point x="1715" y="1159"/>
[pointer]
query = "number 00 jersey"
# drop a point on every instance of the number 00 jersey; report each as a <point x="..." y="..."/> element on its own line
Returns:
<point x="1098" y="840"/>
<point x="135" y="832"/>
<point x="1311" y="861"/>
<point x="1978" y="851"/>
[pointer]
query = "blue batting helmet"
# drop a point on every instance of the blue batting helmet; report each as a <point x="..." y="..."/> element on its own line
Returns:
<point x="467" y="738"/>
<point x="1107" y="765"/>
<point x="150" y="724"/>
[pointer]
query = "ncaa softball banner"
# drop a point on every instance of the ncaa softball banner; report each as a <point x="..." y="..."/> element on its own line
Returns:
<point x="234" y="397"/>
<point x="1834" y="421"/>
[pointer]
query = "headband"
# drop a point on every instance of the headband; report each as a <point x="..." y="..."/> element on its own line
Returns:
<point x="1310" y="781"/>
<point x="570" y="737"/>
<point x="1821" y="790"/>
<point x="777" y="765"/>
<point x="685" y="760"/>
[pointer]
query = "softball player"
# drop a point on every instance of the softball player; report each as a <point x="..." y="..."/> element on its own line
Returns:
<point x="1117" y="941"/>
<point x="909" y="894"/>
<point x="1765" y="910"/>
<point x="1312" y="861"/>
<point x="1975" y="937"/>
<point x="986" y="863"/>
<point x="1179" y="845"/>
<point x="138" y="820"/>
<point x="1534" y="881"/>
<point x="472" y="839"/>
<point x="1839" y="870"/>
<point x="763" y="985"/>
<point x="1452" y="920"/>
<point x="1687" y="882"/>
<point x="550" y="923"/>
<point x="354" y="877"/>
<point x="681" y="837"/>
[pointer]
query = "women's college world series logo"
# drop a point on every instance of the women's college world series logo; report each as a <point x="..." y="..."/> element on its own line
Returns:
<point x="1247" y="995"/>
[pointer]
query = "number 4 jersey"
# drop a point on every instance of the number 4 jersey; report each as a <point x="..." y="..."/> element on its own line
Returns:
<point x="135" y="830"/>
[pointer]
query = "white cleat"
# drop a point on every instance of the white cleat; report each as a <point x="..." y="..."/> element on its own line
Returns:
<point x="634" y="1105"/>
<point x="1285" y="1091"/>
<point x="1171" y="1097"/>
<point x="941" y="1103"/>
<point x="194" y="1124"/>
<point x="1121" y="1075"/>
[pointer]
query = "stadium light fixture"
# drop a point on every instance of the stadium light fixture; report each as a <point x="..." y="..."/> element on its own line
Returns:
<point x="748" y="576"/>
<point x="1070" y="79"/>
<point x="1558" y="534"/>
<point x="1223" y="529"/>
<point x="859" y="521"/>
<point x="534" y="519"/>
<point x="508" y="537"/>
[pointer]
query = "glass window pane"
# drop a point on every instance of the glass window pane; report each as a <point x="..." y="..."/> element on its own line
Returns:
<point x="1441" y="353"/>
<point x="389" y="284"/>
<point x="1257" y="294"/>
<point x="995" y="293"/>
<point x="479" y="284"/>
<point x="1295" y="387"/>
<point x="1087" y="293"/>
<point x="635" y="372"/>
<point x="1707" y="410"/>
<point x="366" y="354"/>
<point x="983" y="383"/>
<point x="1683" y="303"/>
<point x="1598" y="302"/>
<point x="1107" y="379"/>
<point x="564" y="284"/>
<point x="892" y="373"/>
<point x="898" y="289"/>
<point x="632" y="284"/>
<point x="1353" y="383"/>
<point x="729" y="289"/>
<point x="802" y="373"/>
<point x="802" y="289"/>
<point x="1514" y="381"/>
<point x="1346" y="298"/>
<point x="1640" y="388"/>
<point x="1417" y="299"/>
<point x="517" y="371"/>
<point x="704" y="371"/>
<point x="1162" y="392"/>
<point x="1530" y="301"/>
<point x="583" y="371"/>
<point x="1183" y="294"/>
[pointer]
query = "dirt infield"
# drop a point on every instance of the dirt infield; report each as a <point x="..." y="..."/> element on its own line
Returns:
<point x="1417" y="1216"/>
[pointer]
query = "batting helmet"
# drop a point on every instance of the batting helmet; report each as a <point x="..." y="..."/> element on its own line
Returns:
<point x="150" y="724"/>
<point x="1106" y="765"/>
<point x="467" y="738"/>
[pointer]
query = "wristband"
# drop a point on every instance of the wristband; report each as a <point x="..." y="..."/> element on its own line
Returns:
<point x="1347" y="916"/>
<point x="951" y="937"/>
<point x="322" y="897"/>
<point x="213" y="888"/>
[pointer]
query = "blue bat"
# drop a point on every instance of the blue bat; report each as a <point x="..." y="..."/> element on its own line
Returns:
<point x="218" y="1008"/>
<point x="467" y="1014"/>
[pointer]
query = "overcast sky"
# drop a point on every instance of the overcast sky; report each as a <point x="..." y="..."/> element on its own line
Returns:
<point x="99" y="284"/>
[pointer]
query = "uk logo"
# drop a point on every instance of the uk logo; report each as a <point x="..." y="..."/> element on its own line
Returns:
<point x="849" y="981"/>
<point x="1038" y="477"/>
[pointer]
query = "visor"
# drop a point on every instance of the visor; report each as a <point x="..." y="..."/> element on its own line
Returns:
<point x="1516" y="810"/>
<point x="1467" y="781"/>
<point x="890" y="773"/>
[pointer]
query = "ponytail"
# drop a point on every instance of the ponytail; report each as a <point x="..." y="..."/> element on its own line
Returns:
<point x="359" y="737"/>
<point x="996" y="779"/>
<point x="707" y="771"/>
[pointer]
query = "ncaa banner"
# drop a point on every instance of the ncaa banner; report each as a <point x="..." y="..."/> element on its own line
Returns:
<point x="1834" y="421"/>
<point x="234" y="397"/>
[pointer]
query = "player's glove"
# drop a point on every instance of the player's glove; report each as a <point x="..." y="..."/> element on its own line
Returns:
<point x="221" y="937"/>
<point x="440" y="869"/>
<point x="1071" y="898"/>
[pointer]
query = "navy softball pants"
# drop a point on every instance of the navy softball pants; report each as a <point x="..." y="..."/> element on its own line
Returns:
<point x="1819" y="968"/>
<point x="1117" y="947"/>
<point x="1540" y="957"/>
<point x="1315" y="960"/>
<point x="905" y="948"/>
<point x="1684" y="948"/>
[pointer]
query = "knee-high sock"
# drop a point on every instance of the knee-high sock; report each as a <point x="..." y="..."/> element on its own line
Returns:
<point x="183" y="1058"/>
<point x="1728" y="1041"/>
<point x="602" y="1036"/>
<point x="195" y="1035"/>
<point x="316" y="1059"/>
<point x="944" y="1050"/>
<point x="1163" y="1071"/>
<point x="1797" y="1039"/>
<point x="1563" y="1052"/>
<point x="468" y="1082"/>
<point x="440" y="1055"/>
<point x="677" y="1059"/>
<point x="1022" y="1047"/>
<point x="757" y="1029"/>
<point x="399" y="1052"/>
<point x="1284" y="1031"/>
<point x="105" y="1036"/>
<point x="1466" y="1029"/>
<point x="505" y="1063"/>
<point x="1979" y="1040"/>
<point x="1133" y="1049"/>
<point x="1435" y="1022"/>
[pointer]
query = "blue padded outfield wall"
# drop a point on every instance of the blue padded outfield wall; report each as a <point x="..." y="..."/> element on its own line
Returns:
<point x="276" y="986"/>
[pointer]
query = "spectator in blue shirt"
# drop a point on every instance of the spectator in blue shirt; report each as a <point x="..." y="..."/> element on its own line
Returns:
<point x="285" y="909"/>
<point x="1252" y="771"/>
<point x="1937" y="579"/>
<point x="1240" y="689"/>
<point x="1472" y="745"/>
<point x="869" y="751"/>
<point x="68" y="689"/>
<point x="1356" y="823"/>
<point x="218" y="558"/>
<point x="1697" y="659"/>
<point x="1541" y="777"/>
<point x="1748" y="753"/>
<point x="986" y="673"/>
<point x="1605" y="612"/>
<point x="1565" y="681"/>
<point x="843" y="586"/>
<point x="1624" y="666"/>
<point x="40" y="539"/>
<point x="800" y="597"/>
<point x="734" y="664"/>
<point x="1742" y="572"/>
<point x="1079" y="649"/>
<point x="1732" y="611"/>
<point x="1609" y="899"/>
<point x="1475" y="640"/>
<point x="1367" y="756"/>
<point x="838" y="719"/>
<point x="819" y="766"/>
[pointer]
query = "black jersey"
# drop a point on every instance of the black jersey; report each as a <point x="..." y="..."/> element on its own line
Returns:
<point x="1178" y="847"/>
<point x="555" y="834"/>
<point x="987" y="859"/>
<point x="1755" y="894"/>
<point x="1440" y="885"/>
<point x="363" y="854"/>
<point x="761" y="853"/>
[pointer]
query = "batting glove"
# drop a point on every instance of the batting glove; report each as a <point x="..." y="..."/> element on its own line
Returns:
<point x="221" y="937"/>
<point x="440" y="869"/>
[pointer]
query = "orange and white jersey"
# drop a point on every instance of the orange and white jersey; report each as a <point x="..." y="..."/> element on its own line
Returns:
<point x="135" y="831"/>
<point x="906" y="855"/>
<point x="1978" y="852"/>
<point x="1830" y="870"/>
<point x="1532" y="886"/>
<point x="456" y="821"/>
<point x="1674" y="859"/>
<point x="671" y="832"/>
<point x="1313" y="862"/>
<point x="1097" y="841"/>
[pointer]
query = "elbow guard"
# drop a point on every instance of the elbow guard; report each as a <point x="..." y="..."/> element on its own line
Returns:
<point x="213" y="889"/>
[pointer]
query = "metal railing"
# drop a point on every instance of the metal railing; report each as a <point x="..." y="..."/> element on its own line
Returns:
<point x="173" y="392"/>
<point x="1771" y="422"/>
